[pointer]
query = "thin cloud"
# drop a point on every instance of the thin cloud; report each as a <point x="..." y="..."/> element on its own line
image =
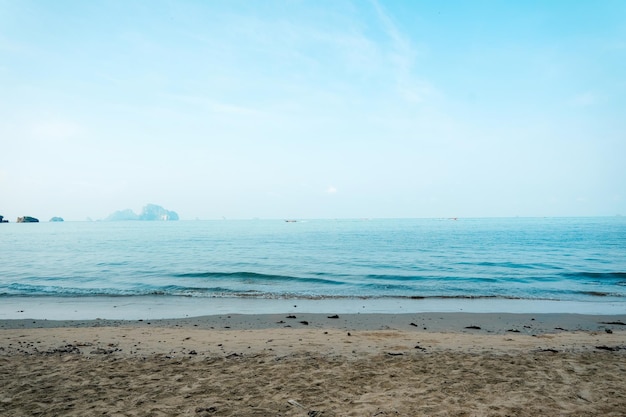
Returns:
<point x="403" y="59"/>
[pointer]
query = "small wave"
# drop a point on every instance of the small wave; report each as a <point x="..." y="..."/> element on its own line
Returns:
<point x="510" y="265"/>
<point x="254" y="295"/>
<point x="601" y="294"/>
<point x="169" y="290"/>
<point x="461" y="297"/>
<point x="60" y="291"/>
<point x="225" y="293"/>
<point x="194" y="291"/>
<point x="255" y="276"/>
<point x="386" y="277"/>
<point x="597" y="275"/>
<point x="595" y="293"/>
<point x="229" y="275"/>
<point x="427" y="277"/>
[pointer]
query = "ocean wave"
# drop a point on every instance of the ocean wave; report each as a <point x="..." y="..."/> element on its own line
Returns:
<point x="325" y="285"/>
<point x="256" y="295"/>
<point x="388" y="292"/>
<point x="256" y="276"/>
<point x="168" y="290"/>
<point x="597" y="275"/>
<point x="602" y="294"/>
<point x="510" y="265"/>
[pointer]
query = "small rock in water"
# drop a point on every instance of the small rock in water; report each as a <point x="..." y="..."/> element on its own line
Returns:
<point x="473" y="327"/>
<point x="306" y="323"/>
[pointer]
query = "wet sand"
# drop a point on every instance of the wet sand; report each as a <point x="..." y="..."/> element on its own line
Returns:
<point x="316" y="365"/>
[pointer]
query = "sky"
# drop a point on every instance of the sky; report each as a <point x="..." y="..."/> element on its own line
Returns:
<point x="313" y="109"/>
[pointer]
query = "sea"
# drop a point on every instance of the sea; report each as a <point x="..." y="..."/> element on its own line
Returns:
<point x="147" y="269"/>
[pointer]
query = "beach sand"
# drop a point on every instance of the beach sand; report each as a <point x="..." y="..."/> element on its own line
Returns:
<point x="439" y="364"/>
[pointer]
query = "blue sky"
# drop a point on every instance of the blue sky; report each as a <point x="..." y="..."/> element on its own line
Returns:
<point x="313" y="109"/>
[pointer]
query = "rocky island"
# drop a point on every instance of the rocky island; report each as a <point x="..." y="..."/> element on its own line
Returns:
<point x="27" y="219"/>
<point x="150" y="212"/>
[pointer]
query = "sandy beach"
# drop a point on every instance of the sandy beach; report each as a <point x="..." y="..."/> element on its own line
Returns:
<point x="447" y="364"/>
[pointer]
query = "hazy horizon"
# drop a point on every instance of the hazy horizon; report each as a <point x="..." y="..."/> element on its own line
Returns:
<point x="313" y="109"/>
<point x="306" y="219"/>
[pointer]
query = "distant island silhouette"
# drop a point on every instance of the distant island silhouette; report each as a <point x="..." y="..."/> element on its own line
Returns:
<point x="150" y="212"/>
<point x="27" y="219"/>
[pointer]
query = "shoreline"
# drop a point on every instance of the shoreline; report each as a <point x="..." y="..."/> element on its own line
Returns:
<point x="170" y="307"/>
<point x="476" y="323"/>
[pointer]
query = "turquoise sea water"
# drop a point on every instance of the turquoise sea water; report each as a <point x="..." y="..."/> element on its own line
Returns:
<point x="572" y="261"/>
